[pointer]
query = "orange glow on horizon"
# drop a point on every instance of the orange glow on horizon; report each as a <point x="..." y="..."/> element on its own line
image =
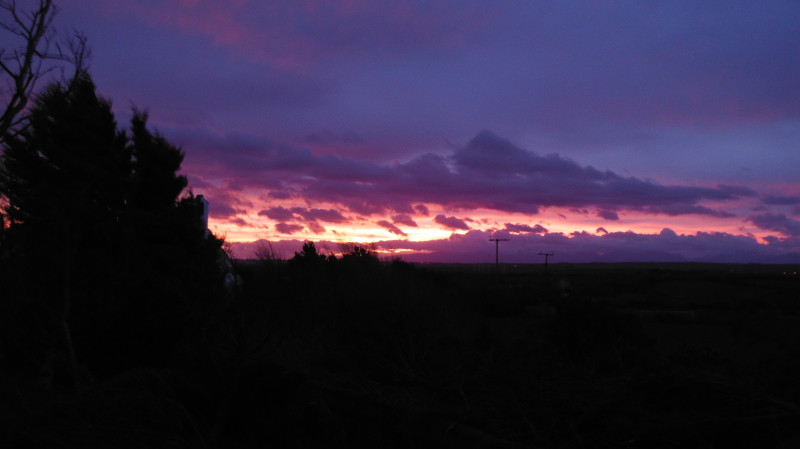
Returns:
<point x="555" y="220"/>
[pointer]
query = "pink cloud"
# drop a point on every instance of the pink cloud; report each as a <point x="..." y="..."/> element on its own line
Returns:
<point x="525" y="229"/>
<point x="288" y="228"/>
<point x="316" y="228"/>
<point x="391" y="228"/>
<point x="404" y="219"/>
<point x="239" y="222"/>
<point x="452" y="223"/>
<point x="280" y="213"/>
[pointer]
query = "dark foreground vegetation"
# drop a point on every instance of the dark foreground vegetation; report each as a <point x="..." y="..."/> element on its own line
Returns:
<point x="123" y="324"/>
<point x="349" y="351"/>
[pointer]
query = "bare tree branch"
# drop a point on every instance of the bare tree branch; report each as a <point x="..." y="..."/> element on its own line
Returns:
<point x="23" y="66"/>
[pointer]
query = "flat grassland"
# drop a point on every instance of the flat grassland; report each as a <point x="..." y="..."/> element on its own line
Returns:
<point x="363" y="353"/>
<point x="585" y="355"/>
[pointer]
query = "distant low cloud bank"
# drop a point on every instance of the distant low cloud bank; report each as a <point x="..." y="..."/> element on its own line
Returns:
<point x="580" y="247"/>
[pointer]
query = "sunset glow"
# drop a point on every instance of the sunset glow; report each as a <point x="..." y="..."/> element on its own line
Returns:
<point x="599" y="131"/>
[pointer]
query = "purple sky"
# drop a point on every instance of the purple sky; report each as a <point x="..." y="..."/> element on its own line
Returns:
<point x="429" y="125"/>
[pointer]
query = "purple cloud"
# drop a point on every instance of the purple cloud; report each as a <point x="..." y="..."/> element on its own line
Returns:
<point x="391" y="228"/>
<point x="583" y="247"/>
<point x="278" y="213"/>
<point x="601" y="231"/>
<point x="318" y="74"/>
<point x="488" y="172"/>
<point x="294" y="95"/>
<point x="562" y="182"/>
<point x="224" y="202"/>
<point x="781" y="200"/>
<point x="288" y="228"/>
<point x="328" y="216"/>
<point x="607" y="214"/>
<point x="525" y="229"/>
<point x="404" y="219"/>
<point x="451" y="223"/>
<point x="221" y="210"/>
<point x="776" y="222"/>
<point x="686" y="209"/>
<point x="238" y="221"/>
<point x="278" y="195"/>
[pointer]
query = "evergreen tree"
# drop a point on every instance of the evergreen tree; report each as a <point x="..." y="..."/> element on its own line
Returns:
<point x="102" y="238"/>
<point x="171" y="268"/>
<point x="65" y="179"/>
<point x="156" y="185"/>
<point x="166" y="227"/>
<point x="70" y="166"/>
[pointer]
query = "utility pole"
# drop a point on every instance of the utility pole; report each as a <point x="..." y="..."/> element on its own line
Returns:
<point x="546" y="255"/>
<point x="497" y="252"/>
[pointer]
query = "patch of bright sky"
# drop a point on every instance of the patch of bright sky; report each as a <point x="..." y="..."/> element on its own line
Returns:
<point x="567" y="221"/>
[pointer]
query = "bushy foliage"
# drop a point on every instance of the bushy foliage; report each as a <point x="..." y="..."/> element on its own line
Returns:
<point x="102" y="257"/>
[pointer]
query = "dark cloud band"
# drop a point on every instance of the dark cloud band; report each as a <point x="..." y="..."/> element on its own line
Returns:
<point x="487" y="173"/>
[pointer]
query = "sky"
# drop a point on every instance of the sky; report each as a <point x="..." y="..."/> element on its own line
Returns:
<point x="602" y="131"/>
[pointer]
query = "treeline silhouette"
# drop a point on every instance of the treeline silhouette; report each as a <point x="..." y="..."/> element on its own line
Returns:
<point x="102" y="259"/>
<point x="123" y="323"/>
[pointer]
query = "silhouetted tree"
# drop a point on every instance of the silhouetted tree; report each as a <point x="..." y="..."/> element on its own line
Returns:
<point x="361" y="260"/>
<point x="172" y="267"/>
<point x="65" y="177"/>
<point x="70" y="164"/>
<point x="156" y="186"/>
<point x="310" y="269"/>
<point x="101" y="225"/>
<point x="23" y="65"/>
<point x="308" y="255"/>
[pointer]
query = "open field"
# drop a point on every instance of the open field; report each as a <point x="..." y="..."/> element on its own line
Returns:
<point x="587" y="355"/>
<point x="395" y="355"/>
<point x="750" y="314"/>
